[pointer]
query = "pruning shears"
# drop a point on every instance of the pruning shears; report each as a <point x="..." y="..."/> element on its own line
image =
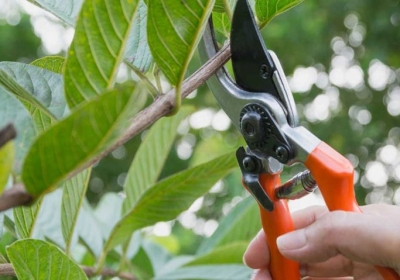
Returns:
<point x="261" y="106"/>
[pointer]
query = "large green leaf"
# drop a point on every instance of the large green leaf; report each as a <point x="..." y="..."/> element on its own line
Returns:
<point x="150" y="158"/>
<point x="267" y="9"/>
<point x="39" y="90"/>
<point x="174" y="29"/>
<point x="97" y="49"/>
<point x="209" y="272"/>
<point x="36" y="259"/>
<point x="137" y="51"/>
<point x="170" y="197"/>
<point x="42" y="86"/>
<point x="7" y="155"/>
<point x="51" y="63"/>
<point x="241" y="224"/>
<point x="88" y="132"/>
<point x="12" y="111"/>
<point x="73" y="196"/>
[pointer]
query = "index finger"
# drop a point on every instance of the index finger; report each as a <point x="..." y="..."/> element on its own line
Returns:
<point x="257" y="253"/>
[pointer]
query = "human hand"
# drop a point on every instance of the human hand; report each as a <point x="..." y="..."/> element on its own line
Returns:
<point x="335" y="244"/>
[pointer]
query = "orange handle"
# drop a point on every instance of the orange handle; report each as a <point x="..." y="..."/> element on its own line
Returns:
<point x="334" y="176"/>
<point x="275" y="224"/>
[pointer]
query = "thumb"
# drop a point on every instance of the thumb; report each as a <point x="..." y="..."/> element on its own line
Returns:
<point x="359" y="237"/>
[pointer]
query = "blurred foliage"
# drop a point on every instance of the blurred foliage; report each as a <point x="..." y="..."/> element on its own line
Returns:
<point x="17" y="48"/>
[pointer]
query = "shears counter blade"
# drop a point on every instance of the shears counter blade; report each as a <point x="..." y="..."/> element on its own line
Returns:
<point x="261" y="106"/>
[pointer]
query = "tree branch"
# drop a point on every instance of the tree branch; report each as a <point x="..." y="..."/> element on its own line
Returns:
<point x="16" y="196"/>
<point x="6" y="269"/>
<point x="6" y="134"/>
<point x="162" y="106"/>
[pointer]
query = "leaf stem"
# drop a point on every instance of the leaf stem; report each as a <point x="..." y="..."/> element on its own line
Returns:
<point x="263" y="24"/>
<point x="158" y="79"/>
<point x="178" y="99"/>
<point x="149" y="85"/>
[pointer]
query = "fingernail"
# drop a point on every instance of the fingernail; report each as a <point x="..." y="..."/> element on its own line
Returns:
<point x="292" y="241"/>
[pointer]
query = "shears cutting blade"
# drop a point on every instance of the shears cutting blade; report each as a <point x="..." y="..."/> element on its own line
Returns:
<point x="255" y="68"/>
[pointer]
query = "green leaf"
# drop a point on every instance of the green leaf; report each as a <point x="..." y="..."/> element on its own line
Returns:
<point x="41" y="116"/>
<point x="174" y="29"/>
<point x="66" y="10"/>
<point x="36" y="259"/>
<point x="91" y="130"/>
<point x="231" y="228"/>
<point x="142" y="265"/>
<point x="137" y="51"/>
<point x="150" y="158"/>
<point x="209" y="272"/>
<point x="97" y="49"/>
<point x="39" y="90"/>
<point x="170" y="197"/>
<point x="51" y="63"/>
<point x="222" y="24"/>
<point x="219" y="6"/>
<point x="73" y="196"/>
<point x="267" y="9"/>
<point x="25" y="219"/>
<point x="12" y="111"/>
<point x="43" y="86"/>
<point x="230" y="253"/>
<point x="7" y="155"/>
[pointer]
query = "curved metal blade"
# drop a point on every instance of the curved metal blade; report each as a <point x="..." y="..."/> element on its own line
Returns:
<point x="255" y="68"/>
<point x="252" y="64"/>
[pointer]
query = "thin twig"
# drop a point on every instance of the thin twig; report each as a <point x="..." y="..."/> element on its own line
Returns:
<point x="162" y="106"/>
<point x="16" y="196"/>
<point x="6" y="269"/>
